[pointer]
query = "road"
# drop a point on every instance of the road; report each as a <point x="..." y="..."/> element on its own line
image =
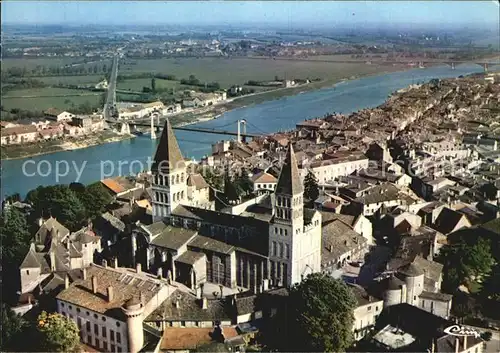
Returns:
<point x="111" y="97"/>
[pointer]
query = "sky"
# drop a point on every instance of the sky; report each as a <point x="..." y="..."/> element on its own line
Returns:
<point x="288" y="13"/>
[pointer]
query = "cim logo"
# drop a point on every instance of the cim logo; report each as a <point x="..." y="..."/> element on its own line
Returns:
<point x="457" y="330"/>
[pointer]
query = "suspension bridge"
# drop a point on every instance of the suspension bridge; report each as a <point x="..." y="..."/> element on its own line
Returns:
<point x="127" y="127"/>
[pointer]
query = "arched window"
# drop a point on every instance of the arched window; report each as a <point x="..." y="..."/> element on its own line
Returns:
<point x="173" y="180"/>
<point x="182" y="177"/>
<point x="182" y="195"/>
<point x="177" y="178"/>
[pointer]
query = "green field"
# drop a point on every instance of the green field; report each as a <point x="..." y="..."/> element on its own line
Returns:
<point x="71" y="80"/>
<point x="46" y="91"/>
<point x="136" y="84"/>
<point x="48" y="97"/>
<point x="233" y="71"/>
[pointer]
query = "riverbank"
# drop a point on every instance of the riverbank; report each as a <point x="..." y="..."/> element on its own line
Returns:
<point x="215" y="111"/>
<point x="52" y="146"/>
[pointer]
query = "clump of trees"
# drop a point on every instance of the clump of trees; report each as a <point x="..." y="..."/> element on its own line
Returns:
<point x="72" y="204"/>
<point x="57" y="333"/>
<point x="50" y="333"/>
<point x="311" y="189"/>
<point x="320" y="316"/>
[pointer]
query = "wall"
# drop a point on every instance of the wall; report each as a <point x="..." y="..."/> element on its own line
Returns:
<point x="365" y="317"/>
<point x="328" y="170"/>
<point x="436" y="307"/>
<point x="105" y="325"/>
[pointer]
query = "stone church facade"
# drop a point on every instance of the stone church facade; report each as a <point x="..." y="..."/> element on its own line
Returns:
<point x="192" y="243"/>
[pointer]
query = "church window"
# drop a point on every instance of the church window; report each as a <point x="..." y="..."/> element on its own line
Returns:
<point x="182" y="195"/>
<point x="182" y="177"/>
<point x="281" y="250"/>
<point x="275" y="230"/>
<point x="218" y="270"/>
<point x="177" y="179"/>
<point x="281" y="231"/>
<point x="275" y="248"/>
<point x="286" y="232"/>
<point x="287" y="251"/>
<point x="173" y="180"/>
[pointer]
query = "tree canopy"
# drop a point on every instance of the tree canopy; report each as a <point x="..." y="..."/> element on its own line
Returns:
<point x="13" y="326"/>
<point x="311" y="190"/>
<point x="321" y="314"/>
<point x="72" y="205"/>
<point x="465" y="262"/>
<point x="57" y="333"/>
<point x="14" y="236"/>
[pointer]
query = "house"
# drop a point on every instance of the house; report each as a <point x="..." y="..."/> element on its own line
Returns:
<point x="340" y="244"/>
<point x="19" y="135"/>
<point x="198" y="99"/>
<point x="120" y="186"/>
<point x="58" y="115"/>
<point x="148" y="108"/>
<point x="367" y="310"/>
<point x="109" y="304"/>
<point x="185" y="340"/>
<point x="54" y="249"/>
<point x="450" y="221"/>
<point x="263" y="182"/>
<point x="171" y="109"/>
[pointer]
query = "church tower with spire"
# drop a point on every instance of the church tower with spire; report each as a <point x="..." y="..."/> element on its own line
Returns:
<point x="169" y="172"/>
<point x="294" y="232"/>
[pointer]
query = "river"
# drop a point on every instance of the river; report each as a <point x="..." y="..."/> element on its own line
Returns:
<point x="129" y="156"/>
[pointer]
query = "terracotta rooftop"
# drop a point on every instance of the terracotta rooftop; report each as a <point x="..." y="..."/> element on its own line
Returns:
<point x="126" y="284"/>
<point x="263" y="177"/>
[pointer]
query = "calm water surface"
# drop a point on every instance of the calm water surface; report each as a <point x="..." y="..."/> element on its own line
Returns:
<point x="271" y="116"/>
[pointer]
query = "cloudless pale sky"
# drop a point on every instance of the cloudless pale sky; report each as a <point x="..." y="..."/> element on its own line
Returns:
<point x="290" y="13"/>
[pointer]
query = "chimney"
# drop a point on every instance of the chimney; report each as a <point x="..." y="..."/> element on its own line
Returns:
<point x="202" y="285"/>
<point x="104" y="263"/>
<point x="115" y="262"/>
<point x="465" y="343"/>
<point x="66" y="281"/>
<point x="198" y="292"/>
<point x="177" y="303"/>
<point x="330" y="248"/>
<point x="457" y="345"/>
<point x="138" y="267"/>
<point x="111" y="294"/>
<point x="94" y="284"/>
<point x="204" y="303"/>
<point x="141" y="297"/>
<point x="159" y="273"/>
<point x="221" y="287"/>
<point x="52" y="260"/>
<point x="84" y="273"/>
<point x="433" y="346"/>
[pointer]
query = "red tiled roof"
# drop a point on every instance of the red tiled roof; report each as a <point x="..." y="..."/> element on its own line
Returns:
<point x="113" y="185"/>
<point x="19" y="130"/>
<point x="185" y="338"/>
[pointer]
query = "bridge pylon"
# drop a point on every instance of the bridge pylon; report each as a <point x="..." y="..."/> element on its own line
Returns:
<point x="125" y="129"/>
<point x="242" y="125"/>
<point x="153" y="131"/>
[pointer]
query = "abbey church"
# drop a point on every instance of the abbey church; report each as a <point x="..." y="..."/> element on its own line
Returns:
<point x="270" y="240"/>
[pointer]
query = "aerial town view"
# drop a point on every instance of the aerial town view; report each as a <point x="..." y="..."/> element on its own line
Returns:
<point x="275" y="176"/>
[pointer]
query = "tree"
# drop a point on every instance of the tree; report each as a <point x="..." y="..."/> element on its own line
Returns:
<point x="60" y="202"/>
<point x="243" y="182"/>
<point x="153" y="84"/>
<point x="14" y="237"/>
<point x="465" y="262"/>
<point x="57" y="333"/>
<point x="321" y="315"/>
<point x="311" y="190"/>
<point x="95" y="197"/>
<point x="13" y="329"/>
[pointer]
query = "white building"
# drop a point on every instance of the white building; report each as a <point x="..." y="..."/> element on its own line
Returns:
<point x="263" y="182"/>
<point x="109" y="305"/>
